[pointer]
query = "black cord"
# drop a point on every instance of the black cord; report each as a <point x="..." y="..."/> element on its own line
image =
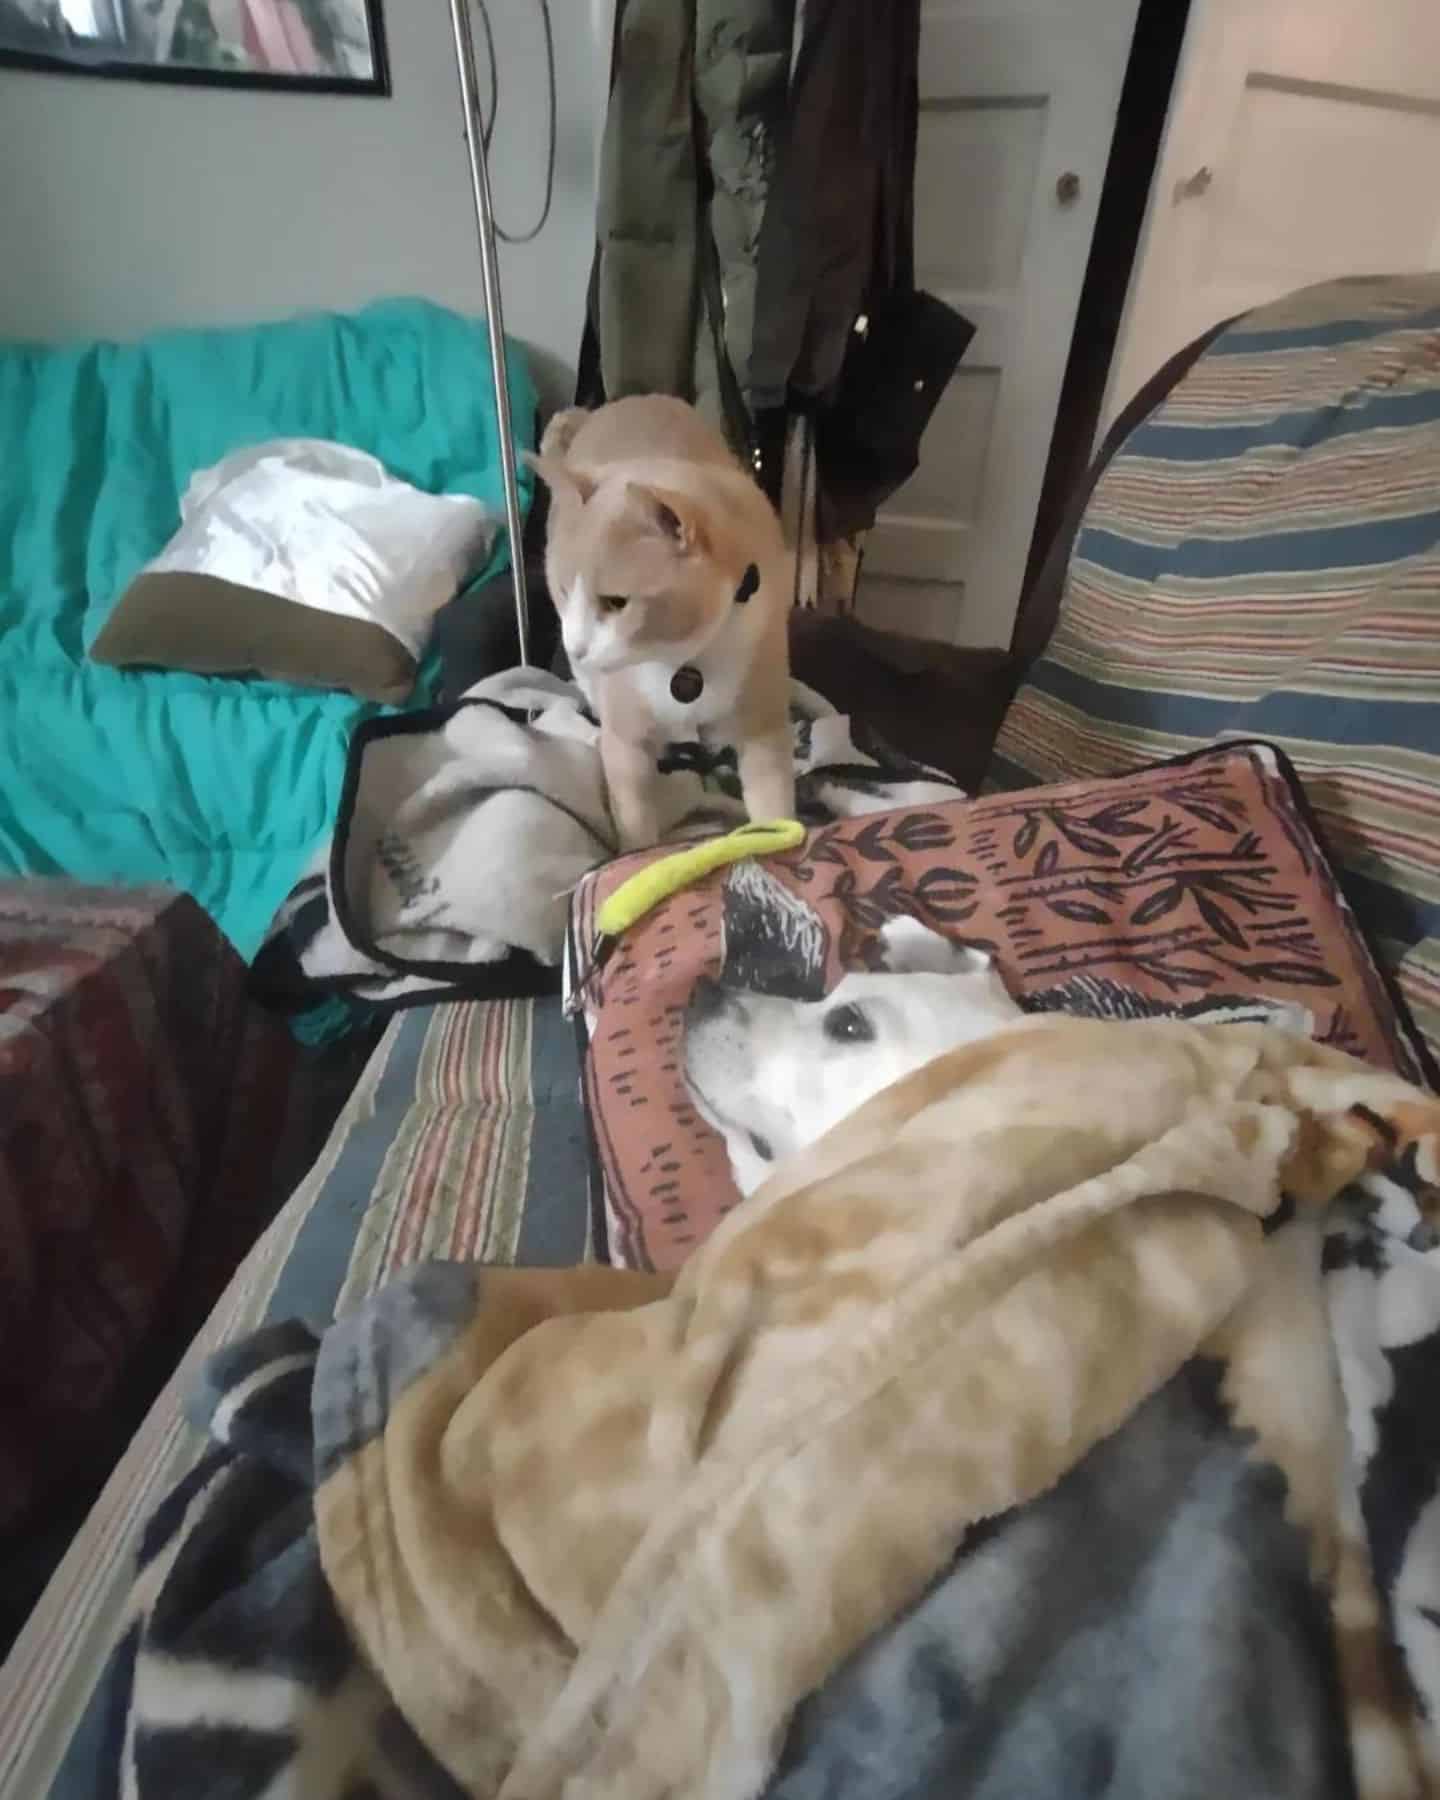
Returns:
<point x="488" y="131"/>
<point x="487" y="127"/>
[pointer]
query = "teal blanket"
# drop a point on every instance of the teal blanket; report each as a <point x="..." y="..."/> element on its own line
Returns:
<point x="221" y="787"/>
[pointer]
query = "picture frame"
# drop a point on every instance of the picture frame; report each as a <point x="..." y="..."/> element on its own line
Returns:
<point x="288" y="46"/>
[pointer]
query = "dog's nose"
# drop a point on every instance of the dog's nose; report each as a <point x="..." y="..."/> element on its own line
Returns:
<point x="707" y="998"/>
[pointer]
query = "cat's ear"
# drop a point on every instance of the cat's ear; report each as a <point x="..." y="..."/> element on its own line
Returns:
<point x="559" y="477"/>
<point x="673" y="516"/>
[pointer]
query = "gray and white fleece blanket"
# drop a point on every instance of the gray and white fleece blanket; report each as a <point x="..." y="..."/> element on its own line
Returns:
<point x="463" y="830"/>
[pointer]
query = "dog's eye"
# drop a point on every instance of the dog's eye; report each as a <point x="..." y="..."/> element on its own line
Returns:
<point x="612" y="603"/>
<point x="848" y="1025"/>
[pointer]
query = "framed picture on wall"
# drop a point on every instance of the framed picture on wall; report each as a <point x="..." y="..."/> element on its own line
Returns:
<point x="315" y="46"/>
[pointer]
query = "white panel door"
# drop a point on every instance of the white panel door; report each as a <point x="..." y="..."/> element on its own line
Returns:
<point x="1017" y="106"/>
<point x="1303" y="142"/>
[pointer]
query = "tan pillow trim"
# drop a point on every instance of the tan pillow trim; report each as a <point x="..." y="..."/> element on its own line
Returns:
<point x="209" y="626"/>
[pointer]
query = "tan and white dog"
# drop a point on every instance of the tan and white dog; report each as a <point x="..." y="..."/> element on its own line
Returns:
<point x="670" y="574"/>
<point x="774" y="1073"/>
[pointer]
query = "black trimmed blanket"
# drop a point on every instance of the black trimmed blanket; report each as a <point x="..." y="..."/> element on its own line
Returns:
<point x="463" y="830"/>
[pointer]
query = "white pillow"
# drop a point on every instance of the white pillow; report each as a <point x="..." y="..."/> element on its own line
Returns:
<point x="328" y="527"/>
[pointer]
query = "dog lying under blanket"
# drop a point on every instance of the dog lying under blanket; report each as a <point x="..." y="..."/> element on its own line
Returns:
<point x="997" y="1446"/>
<point x="773" y="1073"/>
<point x="1036" y="1430"/>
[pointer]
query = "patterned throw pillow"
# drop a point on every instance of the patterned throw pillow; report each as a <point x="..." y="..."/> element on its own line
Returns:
<point x="1192" y="887"/>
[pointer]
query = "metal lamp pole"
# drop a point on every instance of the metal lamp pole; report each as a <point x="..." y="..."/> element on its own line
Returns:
<point x="494" y="317"/>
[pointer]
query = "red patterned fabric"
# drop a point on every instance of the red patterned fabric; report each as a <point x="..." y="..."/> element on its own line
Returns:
<point x="1191" y="885"/>
<point x="142" y="1098"/>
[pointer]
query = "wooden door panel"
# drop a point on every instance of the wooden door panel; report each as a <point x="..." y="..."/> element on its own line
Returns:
<point x="1013" y="97"/>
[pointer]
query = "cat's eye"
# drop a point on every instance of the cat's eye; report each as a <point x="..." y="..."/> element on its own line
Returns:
<point x="613" y="603"/>
<point x="848" y="1025"/>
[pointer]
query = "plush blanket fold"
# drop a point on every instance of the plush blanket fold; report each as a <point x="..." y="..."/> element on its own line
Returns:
<point x="463" y="831"/>
<point x="1009" y="1443"/>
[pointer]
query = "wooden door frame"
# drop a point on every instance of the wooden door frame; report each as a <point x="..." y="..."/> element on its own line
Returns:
<point x="1145" y="97"/>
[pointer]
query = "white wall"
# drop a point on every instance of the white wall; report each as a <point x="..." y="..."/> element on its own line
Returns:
<point x="125" y="205"/>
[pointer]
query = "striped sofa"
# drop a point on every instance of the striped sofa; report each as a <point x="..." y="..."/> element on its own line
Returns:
<point x="1260" y="558"/>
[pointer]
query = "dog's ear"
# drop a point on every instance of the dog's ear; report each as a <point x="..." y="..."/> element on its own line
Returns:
<point x="909" y="948"/>
<point x="559" y="477"/>
<point x="675" y="517"/>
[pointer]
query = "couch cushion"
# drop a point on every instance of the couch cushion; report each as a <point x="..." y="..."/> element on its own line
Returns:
<point x="1195" y="886"/>
<point x="1262" y="559"/>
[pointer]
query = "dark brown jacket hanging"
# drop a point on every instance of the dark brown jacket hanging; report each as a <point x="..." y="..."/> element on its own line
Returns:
<point x="752" y="211"/>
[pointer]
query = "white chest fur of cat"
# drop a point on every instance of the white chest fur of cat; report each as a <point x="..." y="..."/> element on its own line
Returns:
<point x="667" y="566"/>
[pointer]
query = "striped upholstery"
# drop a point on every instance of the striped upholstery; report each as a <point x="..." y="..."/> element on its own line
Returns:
<point x="1262" y="559"/>
<point x="464" y="1138"/>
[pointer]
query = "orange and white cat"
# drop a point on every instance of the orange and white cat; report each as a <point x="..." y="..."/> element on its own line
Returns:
<point x="669" y="571"/>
